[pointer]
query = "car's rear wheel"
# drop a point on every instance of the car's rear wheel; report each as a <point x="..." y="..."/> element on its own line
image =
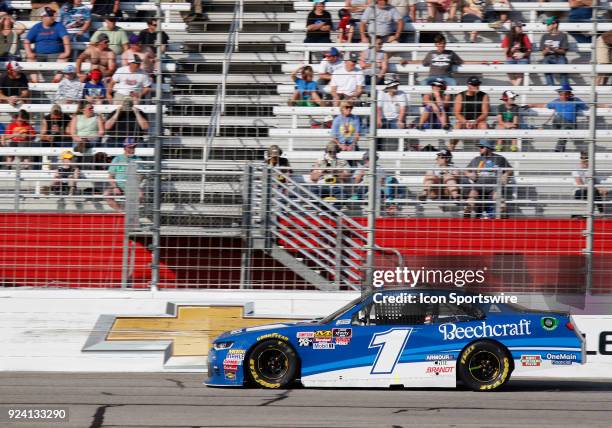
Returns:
<point x="484" y="366"/>
<point x="272" y="364"/>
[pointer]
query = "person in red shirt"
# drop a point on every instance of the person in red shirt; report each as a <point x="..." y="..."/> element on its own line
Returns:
<point x="518" y="50"/>
<point x="19" y="133"/>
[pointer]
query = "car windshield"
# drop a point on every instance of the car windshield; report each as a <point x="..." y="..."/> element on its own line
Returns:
<point x="341" y="311"/>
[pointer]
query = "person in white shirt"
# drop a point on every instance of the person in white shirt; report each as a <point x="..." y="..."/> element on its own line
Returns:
<point x="347" y="83"/>
<point x="129" y="81"/>
<point x="580" y="178"/>
<point x="332" y="61"/>
<point x="392" y="105"/>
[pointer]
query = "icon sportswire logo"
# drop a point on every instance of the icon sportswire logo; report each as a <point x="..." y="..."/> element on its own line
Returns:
<point x="452" y="331"/>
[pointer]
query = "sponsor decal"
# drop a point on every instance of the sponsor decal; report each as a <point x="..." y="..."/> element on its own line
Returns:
<point x="343" y="322"/>
<point x="304" y="334"/>
<point x="323" y="345"/>
<point x="549" y="323"/>
<point x="441" y="363"/>
<point x="439" y="357"/>
<point x="240" y="330"/>
<point x="561" y="358"/>
<point x="342" y="332"/>
<point x="561" y="362"/>
<point x="323" y="336"/>
<point x="273" y="336"/>
<point x="494" y="308"/>
<point x="230" y="376"/>
<point x="531" y="360"/>
<point x="235" y="355"/>
<point x="439" y="369"/>
<point x="451" y="331"/>
<point x="342" y="341"/>
<point x="304" y="341"/>
<point x="230" y="366"/>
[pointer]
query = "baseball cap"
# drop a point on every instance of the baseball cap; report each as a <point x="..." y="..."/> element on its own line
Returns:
<point x="551" y="20"/>
<point x="444" y="153"/>
<point x="103" y="38"/>
<point x="508" y="95"/>
<point x="14" y="65"/>
<point x="69" y="69"/>
<point x="318" y="1"/>
<point x="274" y="150"/>
<point x="391" y="83"/>
<point x="67" y="154"/>
<point x="332" y="147"/>
<point x="438" y="81"/>
<point x="129" y="141"/>
<point x="565" y="87"/>
<point x="518" y="24"/>
<point x="353" y="56"/>
<point x="486" y="143"/>
<point x="110" y="17"/>
<point x="328" y="118"/>
<point x="48" y="12"/>
<point x="332" y="52"/>
<point x="135" y="59"/>
<point x="95" y="74"/>
<point x="134" y="39"/>
<point x="474" y="81"/>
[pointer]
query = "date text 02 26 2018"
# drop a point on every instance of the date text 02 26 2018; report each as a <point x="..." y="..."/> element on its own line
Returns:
<point x="33" y="414"/>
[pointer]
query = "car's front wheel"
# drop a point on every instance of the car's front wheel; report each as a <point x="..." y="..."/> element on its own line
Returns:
<point x="272" y="364"/>
<point x="484" y="366"/>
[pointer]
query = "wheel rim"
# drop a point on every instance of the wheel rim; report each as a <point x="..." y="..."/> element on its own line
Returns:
<point x="272" y="364"/>
<point x="484" y="366"/>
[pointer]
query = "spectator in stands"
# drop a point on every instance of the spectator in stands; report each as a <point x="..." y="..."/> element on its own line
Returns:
<point x="444" y="180"/>
<point x="388" y="185"/>
<point x="10" y="42"/>
<point x="581" y="179"/>
<point x="100" y="57"/>
<point x="319" y="24"/>
<point x="86" y="128"/>
<point x="38" y="8"/>
<point x="70" y="89"/>
<point x="347" y="82"/>
<point x="305" y="93"/>
<point x="407" y="9"/>
<point x="435" y="7"/>
<point x="389" y="23"/>
<point x="479" y="11"/>
<point x="127" y="120"/>
<point x="392" y="105"/>
<point x="346" y="128"/>
<point x="102" y="8"/>
<point x="566" y="108"/>
<point x="356" y="7"/>
<point x="118" y="38"/>
<point x="436" y="107"/>
<point x="196" y="13"/>
<point x="51" y="42"/>
<point x="129" y="81"/>
<point x="329" y="172"/>
<point x="580" y="11"/>
<point x="118" y="174"/>
<point x="54" y="129"/>
<point x="485" y="174"/>
<point x="66" y="177"/>
<point x="148" y="37"/>
<point x="346" y="29"/>
<point x="471" y="108"/>
<point x="19" y="133"/>
<point x="518" y="50"/>
<point x="441" y="62"/>
<point x="371" y="56"/>
<point x="507" y="118"/>
<point x="275" y="160"/>
<point x="95" y="89"/>
<point x="554" y="46"/>
<point x="332" y="61"/>
<point x="603" y="50"/>
<point x="14" y="85"/>
<point x="76" y="17"/>
<point x="146" y="55"/>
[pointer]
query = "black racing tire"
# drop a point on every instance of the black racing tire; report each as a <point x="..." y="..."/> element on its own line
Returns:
<point x="272" y="364"/>
<point x="484" y="366"/>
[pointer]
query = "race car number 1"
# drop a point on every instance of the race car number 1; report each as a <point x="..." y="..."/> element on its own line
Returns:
<point x="391" y="343"/>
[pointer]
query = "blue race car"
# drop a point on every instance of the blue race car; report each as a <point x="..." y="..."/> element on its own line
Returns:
<point x="410" y="338"/>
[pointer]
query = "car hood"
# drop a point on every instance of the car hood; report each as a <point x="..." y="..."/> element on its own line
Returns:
<point x="266" y="328"/>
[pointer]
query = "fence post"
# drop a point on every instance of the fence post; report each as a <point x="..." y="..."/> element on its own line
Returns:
<point x="17" y="183"/>
<point x="339" y="251"/>
<point x="247" y="216"/>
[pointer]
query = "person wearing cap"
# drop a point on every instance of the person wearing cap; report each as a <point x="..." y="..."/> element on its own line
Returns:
<point x="19" y="133"/>
<point x="332" y="61"/>
<point x="581" y="179"/>
<point x="441" y="62"/>
<point x="319" y="24"/>
<point x="346" y="128"/>
<point x="50" y="40"/>
<point x="146" y="55"/>
<point x="76" y="17"/>
<point x="436" y="106"/>
<point x="99" y="56"/>
<point x="388" y="184"/>
<point x="118" y="38"/>
<point x="444" y="180"/>
<point x="70" y="89"/>
<point x="471" y="108"/>
<point x="484" y="172"/>
<point x="305" y="93"/>
<point x="603" y="49"/>
<point x="566" y="108"/>
<point x="391" y="106"/>
<point x="10" y="43"/>
<point x="347" y="83"/>
<point x="518" y="50"/>
<point x="330" y="171"/>
<point x="95" y="89"/>
<point x="14" y="85"/>
<point x="274" y="159"/>
<point x="66" y="176"/>
<point x="54" y="128"/>
<point x="129" y="81"/>
<point x="373" y="55"/>
<point x="507" y="118"/>
<point x="118" y="174"/>
<point x="127" y="120"/>
<point x="85" y="127"/>
<point x="554" y="46"/>
<point x="475" y="11"/>
<point x="389" y="23"/>
<point x="148" y="36"/>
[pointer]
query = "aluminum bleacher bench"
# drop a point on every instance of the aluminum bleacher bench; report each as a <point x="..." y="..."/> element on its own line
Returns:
<point x="167" y="67"/>
<point x="71" y="108"/>
<point x="53" y="87"/>
<point x="56" y="151"/>
<point x="127" y="26"/>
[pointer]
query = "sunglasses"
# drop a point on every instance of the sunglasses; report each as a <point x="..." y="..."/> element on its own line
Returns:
<point x="347" y="108"/>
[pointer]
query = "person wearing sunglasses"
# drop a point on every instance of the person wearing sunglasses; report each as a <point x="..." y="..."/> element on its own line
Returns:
<point x="148" y="36"/>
